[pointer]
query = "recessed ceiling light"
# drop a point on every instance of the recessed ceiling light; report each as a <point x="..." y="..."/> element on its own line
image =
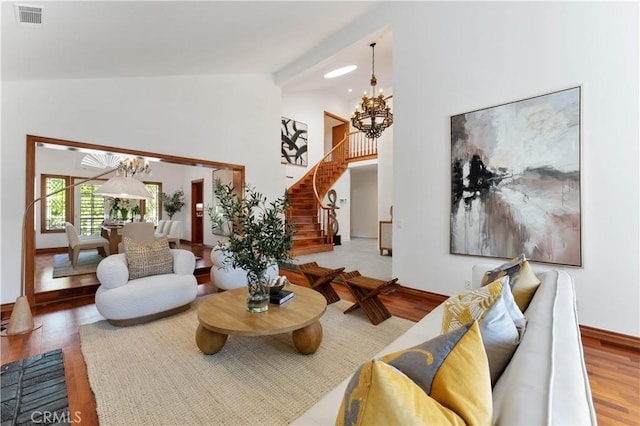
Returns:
<point x="340" y="71"/>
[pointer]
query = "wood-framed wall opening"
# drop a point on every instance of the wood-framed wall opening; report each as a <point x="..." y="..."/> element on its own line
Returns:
<point x="33" y="142"/>
<point x="197" y="211"/>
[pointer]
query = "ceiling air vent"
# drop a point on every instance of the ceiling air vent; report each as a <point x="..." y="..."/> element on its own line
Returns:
<point x="31" y="15"/>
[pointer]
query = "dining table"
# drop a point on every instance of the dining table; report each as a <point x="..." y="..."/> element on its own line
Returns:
<point x="113" y="233"/>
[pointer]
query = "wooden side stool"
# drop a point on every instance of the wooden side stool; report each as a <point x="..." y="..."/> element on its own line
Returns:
<point x="365" y="290"/>
<point x="319" y="279"/>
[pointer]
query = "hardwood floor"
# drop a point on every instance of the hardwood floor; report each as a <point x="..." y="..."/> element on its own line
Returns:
<point x="615" y="384"/>
<point x="614" y="373"/>
<point x="44" y="281"/>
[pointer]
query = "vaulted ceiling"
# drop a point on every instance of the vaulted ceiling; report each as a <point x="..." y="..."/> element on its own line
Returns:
<point x="108" y="39"/>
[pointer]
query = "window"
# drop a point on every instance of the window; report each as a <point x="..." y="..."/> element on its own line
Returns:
<point x="56" y="209"/>
<point x="81" y="203"/>
<point x="151" y="208"/>
<point x="91" y="212"/>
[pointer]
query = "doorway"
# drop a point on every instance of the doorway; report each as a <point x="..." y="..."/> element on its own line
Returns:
<point x="338" y="133"/>
<point x="80" y="285"/>
<point x="335" y="130"/>
<point x="197" y="211"/>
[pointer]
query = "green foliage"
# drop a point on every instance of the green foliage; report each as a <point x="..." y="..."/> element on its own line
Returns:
<point x="218" y="224"/>
<point x="260" y="235"/>
<point x="123" y="207"/>
<point x="56" y="204"/>
<point x="172" y="203"/>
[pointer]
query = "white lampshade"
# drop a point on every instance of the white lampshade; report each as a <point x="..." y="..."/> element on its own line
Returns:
<point x="124" y="187"/>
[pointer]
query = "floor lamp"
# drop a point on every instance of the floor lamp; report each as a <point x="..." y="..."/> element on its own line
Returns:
<point x="125" y="186"/>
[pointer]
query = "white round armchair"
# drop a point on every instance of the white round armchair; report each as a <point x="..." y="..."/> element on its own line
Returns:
<point x="232" y="277"/>
<point x="125" y="301"/>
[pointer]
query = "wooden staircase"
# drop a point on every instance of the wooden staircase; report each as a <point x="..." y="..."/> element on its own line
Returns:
<point x="306" y="214"/>
<point x="309" y="215"/>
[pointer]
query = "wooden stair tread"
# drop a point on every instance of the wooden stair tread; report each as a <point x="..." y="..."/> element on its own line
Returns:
<point x="299" y="251"/>
<point x="313" y="237"/>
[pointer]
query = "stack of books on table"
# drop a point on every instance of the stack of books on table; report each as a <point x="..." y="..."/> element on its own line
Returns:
<point x="281" y="297"/>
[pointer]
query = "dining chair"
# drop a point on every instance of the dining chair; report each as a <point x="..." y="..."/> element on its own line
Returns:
<point x="142" y="232"/>
<point x="77" y="243"/>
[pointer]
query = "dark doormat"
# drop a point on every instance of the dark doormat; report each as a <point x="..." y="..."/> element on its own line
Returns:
<point x="34" y="391"/>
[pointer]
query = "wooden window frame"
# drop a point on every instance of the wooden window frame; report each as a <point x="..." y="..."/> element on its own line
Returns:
<point x="68" y="203"/>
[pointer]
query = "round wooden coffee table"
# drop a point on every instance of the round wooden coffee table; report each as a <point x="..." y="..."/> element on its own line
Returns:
<point x="225" y="314"/>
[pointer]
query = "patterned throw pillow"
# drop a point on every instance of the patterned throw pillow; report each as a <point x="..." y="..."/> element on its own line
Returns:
<point x="144" y="260"/>
<point x="500" y="335"/>
<point x="523" y="281"/>
<point x="468" y="307"/>
<point x="442" y="381"/>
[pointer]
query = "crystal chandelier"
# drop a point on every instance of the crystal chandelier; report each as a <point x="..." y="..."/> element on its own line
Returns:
<point x="373" y="115"/>
<point x="132" y="167"/>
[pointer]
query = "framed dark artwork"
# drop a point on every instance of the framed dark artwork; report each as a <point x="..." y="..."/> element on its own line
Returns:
<point x="515" y="180"/>
<point x="293" y="144"/>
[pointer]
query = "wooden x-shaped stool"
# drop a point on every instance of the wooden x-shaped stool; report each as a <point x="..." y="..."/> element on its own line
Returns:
<point x="319" y="279"/>
<point x="365" y="290"/>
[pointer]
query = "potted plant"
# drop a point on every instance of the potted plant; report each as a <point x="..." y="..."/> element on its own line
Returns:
<point x="123" y="207"/>
<point x="258" y="237"/>
<point x="172" y="203"/>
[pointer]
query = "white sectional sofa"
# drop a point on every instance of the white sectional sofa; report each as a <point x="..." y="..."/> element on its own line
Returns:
<point x="546" y="380"/>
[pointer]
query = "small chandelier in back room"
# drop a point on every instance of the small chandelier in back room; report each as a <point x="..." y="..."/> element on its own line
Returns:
<point x="373" y="115"/>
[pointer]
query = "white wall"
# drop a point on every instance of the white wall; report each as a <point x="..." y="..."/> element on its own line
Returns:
<point x="364" y="203"/>
<point x="197" y="117"/>
<point x="451" y="58"/>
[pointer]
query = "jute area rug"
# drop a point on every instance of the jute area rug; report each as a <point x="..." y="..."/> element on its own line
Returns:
<point x="87" y="264"/>
<point x="155" y="374"/>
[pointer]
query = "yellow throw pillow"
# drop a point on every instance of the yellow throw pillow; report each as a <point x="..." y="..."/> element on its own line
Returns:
<point x="498" y="324"/>
<point x="522" y="280"/>
<point x="144" y="260"/>
<point x="468" y="307"/>
<point x="442" y="381"/>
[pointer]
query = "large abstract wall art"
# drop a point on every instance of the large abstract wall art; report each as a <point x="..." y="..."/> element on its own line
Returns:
<point x="515" y="180"/>
<point x="293" y="143"/>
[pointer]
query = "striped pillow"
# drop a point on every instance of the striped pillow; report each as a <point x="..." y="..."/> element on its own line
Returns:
<point x="145" y="260"/>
